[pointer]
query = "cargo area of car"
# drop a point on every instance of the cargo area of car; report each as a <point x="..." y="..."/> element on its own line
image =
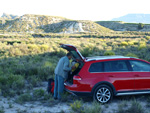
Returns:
<point x="77" y="58"/>
<point x="72" y="74"/>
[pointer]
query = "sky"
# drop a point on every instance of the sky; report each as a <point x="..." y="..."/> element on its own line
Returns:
<point x="95" y="10"/>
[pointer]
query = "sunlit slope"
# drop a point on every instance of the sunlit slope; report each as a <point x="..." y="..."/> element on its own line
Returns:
<point x="53" y="24"/>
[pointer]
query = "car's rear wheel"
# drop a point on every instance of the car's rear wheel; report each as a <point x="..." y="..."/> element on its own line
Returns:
<point x="103" y="94"/>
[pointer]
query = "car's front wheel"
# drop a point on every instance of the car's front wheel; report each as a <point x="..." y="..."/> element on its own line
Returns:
<point x="103" y="94"/>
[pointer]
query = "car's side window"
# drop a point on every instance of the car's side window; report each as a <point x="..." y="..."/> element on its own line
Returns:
<point x="139" y="66"/>
<point x="96" y="67"/>
<point x="115" y="66"/>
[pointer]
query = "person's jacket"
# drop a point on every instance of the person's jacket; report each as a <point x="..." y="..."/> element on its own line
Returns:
<point x="62" y="67"/>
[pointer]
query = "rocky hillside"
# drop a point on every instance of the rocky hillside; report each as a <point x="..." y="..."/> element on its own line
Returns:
<point x="53" y="24"/>
<point x="122" y="26"/>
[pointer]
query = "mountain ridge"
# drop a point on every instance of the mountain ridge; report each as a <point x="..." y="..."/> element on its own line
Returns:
<point x="9" y="16"/>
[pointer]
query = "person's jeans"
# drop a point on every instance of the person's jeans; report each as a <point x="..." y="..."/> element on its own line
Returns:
<point x="59" y="86"/>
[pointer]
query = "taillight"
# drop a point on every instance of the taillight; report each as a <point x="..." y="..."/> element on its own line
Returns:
<point x="76" y="77"/>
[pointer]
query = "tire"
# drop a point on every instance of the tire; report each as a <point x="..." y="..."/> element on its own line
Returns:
<point x="103" y="94"/>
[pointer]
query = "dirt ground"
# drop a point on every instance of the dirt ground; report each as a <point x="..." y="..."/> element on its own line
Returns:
<point x="8" y="105"/>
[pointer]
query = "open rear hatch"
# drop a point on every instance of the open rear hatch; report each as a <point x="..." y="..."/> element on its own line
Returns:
<point x="76" y="54"/>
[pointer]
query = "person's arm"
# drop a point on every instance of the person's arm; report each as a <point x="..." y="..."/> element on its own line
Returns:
<point x="66" y="66"/>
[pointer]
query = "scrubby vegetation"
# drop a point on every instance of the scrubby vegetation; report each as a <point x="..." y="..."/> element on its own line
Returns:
<point x="25" y="62"/>
<point x="28" y="60"/>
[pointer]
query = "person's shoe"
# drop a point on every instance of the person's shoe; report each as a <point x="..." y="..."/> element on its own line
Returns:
<point x="55" y="98"/>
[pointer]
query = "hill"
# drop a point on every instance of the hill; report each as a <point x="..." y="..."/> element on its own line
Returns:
<point x="30" y="23"/>
<point x="51" y="24"/>
<point x="134" y="18"/>
<point x="123" y="26"/>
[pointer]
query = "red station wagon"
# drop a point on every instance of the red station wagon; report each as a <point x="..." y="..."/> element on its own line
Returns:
<point x="106" y="76"/>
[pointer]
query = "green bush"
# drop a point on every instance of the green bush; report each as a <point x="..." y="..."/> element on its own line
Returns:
<point x="109" y="53"/>
<point x="148" y="37"/>
<point x="77" y="106"/>
<point x="131" y="42"/>
<point x="131" y="55"/>
<point x="38" y="93"/>
<point x="134" y="108"/>
<point x="136" y="42"/>
<point x="88" y="50"/>
<point x="142" y="46"/>
<point x="124" y="43"/>
<point x="95" y="108"/>
<point x="11" y="84"/>
<point x="140" y="26"/>
<point x="24" y="98"/>
<point x="34" y="80"/>
<point x="44" y="47"/>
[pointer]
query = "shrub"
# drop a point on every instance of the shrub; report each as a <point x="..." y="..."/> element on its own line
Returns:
<point x="124" y="43"/>
<point x="140" y="26"/>
<point x="24" y="98"/>
<point x="109" y="53"/>
<point x="33" y="70"/>
<point x="77" y="106"/>
<point x="44" y="47"/>
<point x="11" y="84"/>
<point x="104" y="44"/>
<point x="95" y="108"/>
<point x="131" y="55"/>
<point x="60" y="52"/>
<point x="48" y="96"/>
<point x="89" y="49"/>
<point x="131" y="42"/>
<point x="33" y="46"/>
<point x="142" y="46"/>
<point x="148" y="37"/>
<point x="85" y="51"/>
<point x="136" y="42"/>
<point x="44" y="72"/>
<point x="134" y="108"/>
<point x="34" y="80"/>
<point x="38" y="93"/>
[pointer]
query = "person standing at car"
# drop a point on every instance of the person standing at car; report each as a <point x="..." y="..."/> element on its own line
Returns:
<point x="61" y="74"/>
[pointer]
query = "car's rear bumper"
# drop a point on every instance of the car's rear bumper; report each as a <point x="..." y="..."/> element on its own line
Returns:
<point x="74" y="89"/>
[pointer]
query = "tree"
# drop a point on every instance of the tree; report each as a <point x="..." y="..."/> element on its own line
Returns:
<point x="140" y="26"/>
